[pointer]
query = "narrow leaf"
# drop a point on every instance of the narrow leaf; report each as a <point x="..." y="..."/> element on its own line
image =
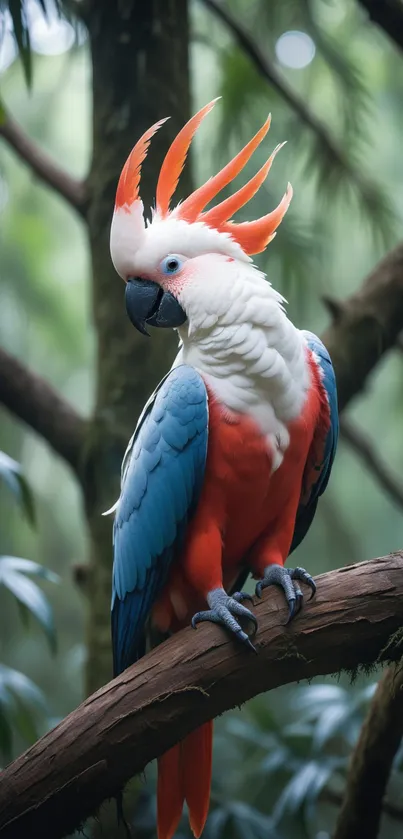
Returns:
<point x="11" y="473"/>
<point x="26" y="566"/>
<point x="31" y="596"/>
<point x="21" y="34"/>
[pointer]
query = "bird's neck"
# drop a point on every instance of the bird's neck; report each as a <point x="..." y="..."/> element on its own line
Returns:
<point x="254" y="361"/>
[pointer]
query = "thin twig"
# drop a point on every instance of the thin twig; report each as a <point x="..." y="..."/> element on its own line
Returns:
<point x="71" y="189"/>
<point x="361" y="445"/>
<point x="33" y="400"/>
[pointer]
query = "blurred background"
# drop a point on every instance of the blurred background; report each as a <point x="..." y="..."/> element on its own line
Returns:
<point x="335" y="94"/>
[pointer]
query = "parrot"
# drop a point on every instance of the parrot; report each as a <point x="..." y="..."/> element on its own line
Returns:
<point x="222" y="476"/>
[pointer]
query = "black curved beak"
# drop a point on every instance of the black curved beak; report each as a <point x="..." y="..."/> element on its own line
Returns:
<point x="147" y="302"/>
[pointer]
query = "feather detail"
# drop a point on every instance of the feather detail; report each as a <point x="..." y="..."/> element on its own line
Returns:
<point x="191" y="208"/>
<point x="226" y="209"/>
<point x="254" y="236"/>
<point x="175" y="158"/>
<point x="129" y="181"/>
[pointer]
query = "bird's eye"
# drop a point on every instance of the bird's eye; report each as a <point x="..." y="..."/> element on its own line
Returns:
<point x="171" y="264"/>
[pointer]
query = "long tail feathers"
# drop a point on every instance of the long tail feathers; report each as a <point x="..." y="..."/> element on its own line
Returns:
<point x="197" y="760"/>
<point x="184" y="773"/>
<point x="170" y="792"/>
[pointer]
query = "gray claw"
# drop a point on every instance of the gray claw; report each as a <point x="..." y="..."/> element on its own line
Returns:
<point x="259" y="588"/>
<point x="283" y="578"/>
<point x="223" y="610"/>
<point x="242" y="595"/>
<point x="304" y="577"/>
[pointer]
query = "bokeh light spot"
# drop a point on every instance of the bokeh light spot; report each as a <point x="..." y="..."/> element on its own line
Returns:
<point x="295" y="49"/>
<point x="52" y="36"/>
<point x="8" y="47"/>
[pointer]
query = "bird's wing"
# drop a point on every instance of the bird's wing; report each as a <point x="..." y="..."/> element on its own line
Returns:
<point x="162" y="476"/>
<point x="323" y="448"/>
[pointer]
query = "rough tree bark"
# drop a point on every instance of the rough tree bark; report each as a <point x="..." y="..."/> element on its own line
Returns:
<point x="372" y="759"/>
<point x="140" y="72"/>
<point x="193" y="677"/>
<point x="366" y="325"/>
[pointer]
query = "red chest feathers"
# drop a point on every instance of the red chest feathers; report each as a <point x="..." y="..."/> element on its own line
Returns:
<point x="240" y="486"/>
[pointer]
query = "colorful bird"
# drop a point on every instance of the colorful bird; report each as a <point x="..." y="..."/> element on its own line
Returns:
<point x="233" y="449"/>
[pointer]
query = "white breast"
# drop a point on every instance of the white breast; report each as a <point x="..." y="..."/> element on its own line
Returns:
<point x="253" y="359"/>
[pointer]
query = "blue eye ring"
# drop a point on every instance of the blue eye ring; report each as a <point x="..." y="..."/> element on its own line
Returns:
<point x="171" y="264"/>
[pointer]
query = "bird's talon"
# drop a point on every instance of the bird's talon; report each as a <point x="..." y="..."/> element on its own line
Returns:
<point x="258" y="589"/>
<point x="226" y="611"/>
<point x="292" y="610"/>
<point x="300" y="599"/>
<point x="287" y="579"/>
<point x="239" y="596"/>
<point x="246" y="640"/>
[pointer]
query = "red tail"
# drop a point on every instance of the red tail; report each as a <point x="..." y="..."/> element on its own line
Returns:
<point x="184" y="773"/>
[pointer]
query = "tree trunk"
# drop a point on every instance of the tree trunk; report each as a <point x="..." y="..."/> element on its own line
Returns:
<point x="140" y="74"/>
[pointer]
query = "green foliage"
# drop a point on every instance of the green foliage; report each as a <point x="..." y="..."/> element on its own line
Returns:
<point x="22" y="704"/>
<point x="13" y="576"/>
<point x="12" y="475"/>
<point x="331" y="116"/>
<point x="21" y="701"/>
<point x="273" y="777"/>
<point x="18" y="10"/>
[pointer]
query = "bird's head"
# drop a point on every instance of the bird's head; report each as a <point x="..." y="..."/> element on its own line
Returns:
<point x="180" y="267"/>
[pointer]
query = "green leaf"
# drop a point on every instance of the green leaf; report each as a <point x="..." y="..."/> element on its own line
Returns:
<point x="12" y="571"/>
<point x="11" y="473"/>
<point x="27" y="566"/>
<point x="23" y="688"/>
<point x="21" y="34"/>
<point x="304" y="788"/>
<point x="240" y="821"/>
<point x="20" y="702"/>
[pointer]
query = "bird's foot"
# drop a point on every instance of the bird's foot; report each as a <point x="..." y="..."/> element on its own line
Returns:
<point x="224" y="610"/>
<point x="276" y="575"/>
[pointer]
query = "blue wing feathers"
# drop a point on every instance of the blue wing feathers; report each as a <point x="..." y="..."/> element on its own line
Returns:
<point x="163" y="474"/>
<point x="306" y="511"/>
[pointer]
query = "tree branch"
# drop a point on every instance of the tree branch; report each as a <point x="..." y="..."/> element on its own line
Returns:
<point x="367" y="325"/>
<point x="71" y="189"/>
<point x="330" y="796"/>
<point x="193" y="677"/>
<point x="269" y="72"/>
<point x="371" y="459"/>
<point x="388" y="14"/>
<point x="34" y="401"/>
<point x="372" y="760"/>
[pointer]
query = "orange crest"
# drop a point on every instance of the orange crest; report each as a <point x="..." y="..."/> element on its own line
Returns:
<point x="252" y="236"/>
